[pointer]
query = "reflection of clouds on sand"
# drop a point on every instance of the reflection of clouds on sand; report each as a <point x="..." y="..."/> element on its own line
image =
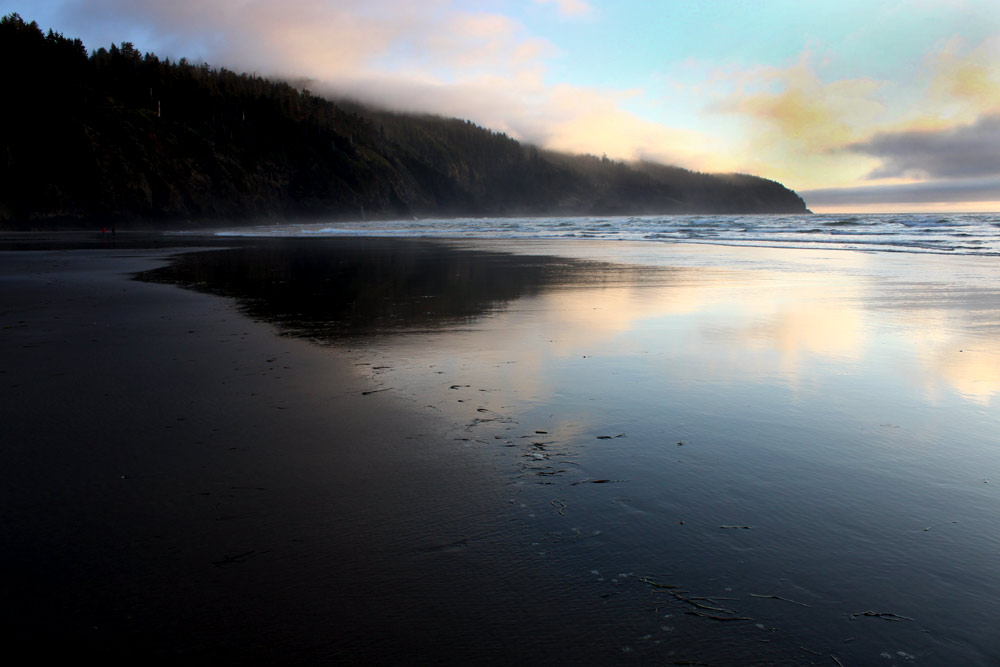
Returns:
<point x="951" y="358"/>
<point x="810" y="323"/>
<point x="801" y="322"/>
<point x="778" y="330"/>
<point x="587" y="318"/>
<point x="973" y="373"/>
<point x="740" y="323"/>
<point x="779" y="302"/>
<point x="751" y="324"/>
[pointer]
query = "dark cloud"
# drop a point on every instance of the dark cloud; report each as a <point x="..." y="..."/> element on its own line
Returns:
<point x="931" y="192"/>
<point x="966" y="151"/>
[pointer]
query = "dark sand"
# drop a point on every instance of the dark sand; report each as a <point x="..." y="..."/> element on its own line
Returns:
<point x="544" y="442"/>
<point x="180" y="483"/>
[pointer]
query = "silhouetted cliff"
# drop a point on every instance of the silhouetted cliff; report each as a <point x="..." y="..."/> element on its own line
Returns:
<point x="115" y="135"/>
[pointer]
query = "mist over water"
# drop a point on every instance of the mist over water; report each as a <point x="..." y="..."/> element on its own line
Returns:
<point x="953" y="234"/>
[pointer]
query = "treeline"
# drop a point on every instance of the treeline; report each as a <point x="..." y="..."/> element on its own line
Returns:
<point x="116" y="135"/>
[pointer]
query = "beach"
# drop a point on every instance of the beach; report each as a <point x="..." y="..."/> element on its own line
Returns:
<point x="392" y="451"/>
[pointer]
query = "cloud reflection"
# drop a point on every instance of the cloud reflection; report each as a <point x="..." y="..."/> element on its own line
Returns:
<point x="802" y="321"/>
<point x="973" y="373"/>
<point x="794" y="329"/>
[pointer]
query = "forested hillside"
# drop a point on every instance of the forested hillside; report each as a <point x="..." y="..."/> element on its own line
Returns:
<point x="115" y="135"/>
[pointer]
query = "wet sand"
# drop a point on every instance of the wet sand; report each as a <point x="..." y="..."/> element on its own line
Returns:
<point x="181" y="484"/>
<point x="506" y="459"/>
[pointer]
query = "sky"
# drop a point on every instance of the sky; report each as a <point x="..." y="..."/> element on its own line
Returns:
<point x="857" y="105"/>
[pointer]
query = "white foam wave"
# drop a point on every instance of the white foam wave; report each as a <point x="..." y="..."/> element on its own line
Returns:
<point x="971" y="234"/>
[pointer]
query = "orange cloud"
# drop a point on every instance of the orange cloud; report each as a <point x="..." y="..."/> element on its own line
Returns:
<point x="792" y="107"/>
<point x="966" y="82"/>
<point x="582" y="120"/>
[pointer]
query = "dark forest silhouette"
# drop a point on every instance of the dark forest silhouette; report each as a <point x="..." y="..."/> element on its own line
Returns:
<point x="119" y="136"/>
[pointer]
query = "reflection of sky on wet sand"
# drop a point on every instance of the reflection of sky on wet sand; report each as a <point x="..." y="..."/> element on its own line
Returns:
<point x="972" y="373"/>
<point x="739" y="326"/>
<point x="837" y="404"/>
<point x="876" y="376"/>
<point x="817" y="313"/>
<point x="953" y="349"/>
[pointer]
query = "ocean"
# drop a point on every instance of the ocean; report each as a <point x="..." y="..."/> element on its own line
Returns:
<point x="952" y="234"/>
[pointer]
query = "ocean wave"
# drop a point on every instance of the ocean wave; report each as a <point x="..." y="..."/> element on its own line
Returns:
<point x="974" y="234"/>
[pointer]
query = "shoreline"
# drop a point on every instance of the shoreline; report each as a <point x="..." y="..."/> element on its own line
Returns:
<point x="494" y="467"/>
<point x="183" y="484"/>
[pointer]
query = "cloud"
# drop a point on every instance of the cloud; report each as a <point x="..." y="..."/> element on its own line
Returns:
<point x="435" y="56"/>
<point x="581" y="120"/>
<point x="300" y="36"/>
<point x="929" y="192"/>
<point x="568" y="7"/>
<point x="966" y="81"/>
<point x="565" y="118"/>
<point x="322" y="39"/>
<point x="960" y="152"/>
<point x="941" y="123"/>
<point x="475" y="61"/>
<point x="792" y="107"/>
<point x="789" y="123"/>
